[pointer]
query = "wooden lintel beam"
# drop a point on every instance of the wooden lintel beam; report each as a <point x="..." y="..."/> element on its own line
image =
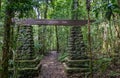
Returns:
<point x="30" y="22"/>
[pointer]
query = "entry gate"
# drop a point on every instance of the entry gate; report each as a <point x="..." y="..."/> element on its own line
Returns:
<point x="45" y="22"/>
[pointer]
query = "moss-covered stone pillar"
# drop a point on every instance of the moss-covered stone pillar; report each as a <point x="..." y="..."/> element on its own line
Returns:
<point x="77" y="65"/>
<point x="25" y="53"/>
<point x="26" y="43"/>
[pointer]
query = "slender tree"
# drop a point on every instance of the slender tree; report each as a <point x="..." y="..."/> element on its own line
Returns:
<point x="89" y="36"/>
<point x="57" y="38"/>
<point x="6" y="45"/>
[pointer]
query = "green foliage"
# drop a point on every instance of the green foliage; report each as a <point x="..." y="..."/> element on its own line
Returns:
<point x="62" y="56"/>
<point x="61" y="10"/>
<point x="111" y="9"/>
<point x="102" y="64"/>
<point x="22" y="7"/>
<point x="108" y="8"/>
<point x="114" y="74"/>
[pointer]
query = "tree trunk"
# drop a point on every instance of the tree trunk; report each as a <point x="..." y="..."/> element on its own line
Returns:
<point x="6" y="45"/>
<point x="57" y="39"/>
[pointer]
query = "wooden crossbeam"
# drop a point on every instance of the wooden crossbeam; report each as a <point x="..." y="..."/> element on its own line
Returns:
<point x="45" y="22"/>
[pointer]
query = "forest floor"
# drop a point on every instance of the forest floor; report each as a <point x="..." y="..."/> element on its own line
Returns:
<point x="51" y="67"/>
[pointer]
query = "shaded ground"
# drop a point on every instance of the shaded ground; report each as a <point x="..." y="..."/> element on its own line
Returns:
<point x="51" y="67"/>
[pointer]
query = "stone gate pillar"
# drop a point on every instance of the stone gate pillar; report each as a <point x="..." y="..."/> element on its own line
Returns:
<point x="25" y="51"/>
<point x="26" y="43"/>
<point x="77" y="65"/>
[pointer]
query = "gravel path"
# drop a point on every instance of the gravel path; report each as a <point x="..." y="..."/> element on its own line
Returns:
<point x="51" y="67"/>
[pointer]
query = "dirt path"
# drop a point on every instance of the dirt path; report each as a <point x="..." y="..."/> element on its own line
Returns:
<point x="51" y="67"/>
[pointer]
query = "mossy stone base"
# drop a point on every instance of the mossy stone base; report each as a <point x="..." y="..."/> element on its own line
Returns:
<point x="78" y="63"/>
